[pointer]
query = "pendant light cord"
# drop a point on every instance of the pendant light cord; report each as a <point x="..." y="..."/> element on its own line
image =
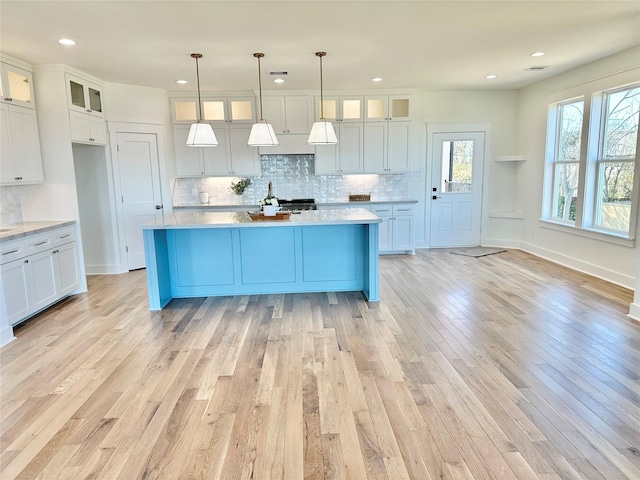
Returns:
<point x="321" y="54"/>
<point x="197" y="56"/>
<point x="259" y="56"/>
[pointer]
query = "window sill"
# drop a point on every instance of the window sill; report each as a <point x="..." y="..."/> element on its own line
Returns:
<point x="588" y="233"/>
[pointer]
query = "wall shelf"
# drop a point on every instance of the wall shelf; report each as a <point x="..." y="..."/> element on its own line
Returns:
<point x="512" y="215"/>
<point x="510" y="158"/>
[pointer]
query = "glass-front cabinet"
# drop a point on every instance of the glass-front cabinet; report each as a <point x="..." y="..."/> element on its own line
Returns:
<point x="341" y="109"/>
<point x="84" y="96"/>
<point x="214" y="109"/>
<point x="381" y="108"/>
<point x="16" y="86"/>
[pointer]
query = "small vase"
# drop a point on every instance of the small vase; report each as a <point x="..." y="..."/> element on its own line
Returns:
<point x="269" y="210"/>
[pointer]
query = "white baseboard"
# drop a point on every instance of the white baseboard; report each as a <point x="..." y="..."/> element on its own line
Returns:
<point x="6" y="336"/>
<point x="634" y="311"/>
<point x="112" y="269"/>
<point x="502" y="243"/>
<point x="585" y="267"/>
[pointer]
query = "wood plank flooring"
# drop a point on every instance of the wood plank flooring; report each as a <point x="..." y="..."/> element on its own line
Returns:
<point x="500" y="367"/>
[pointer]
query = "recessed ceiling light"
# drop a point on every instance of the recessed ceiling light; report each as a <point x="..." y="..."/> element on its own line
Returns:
<point x="536" y="54"/>
<point x="278" y="80"/>
<point x="181" y="82"/>
<point x="376" y="79"/>
<point x="66" y="41"/>
<point x="491" y="76"/>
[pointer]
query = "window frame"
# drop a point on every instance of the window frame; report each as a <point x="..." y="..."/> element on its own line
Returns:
<point x="594" y="95"/>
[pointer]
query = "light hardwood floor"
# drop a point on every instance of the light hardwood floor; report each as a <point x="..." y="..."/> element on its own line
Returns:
<point x="498" y="367"/>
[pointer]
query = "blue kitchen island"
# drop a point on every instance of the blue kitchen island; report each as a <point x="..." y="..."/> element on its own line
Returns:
<point x="201" y="254"/>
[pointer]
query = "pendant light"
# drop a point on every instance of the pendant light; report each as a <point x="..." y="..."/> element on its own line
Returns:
<point x="322" y="132"/>
<point x="200" y="134"/>
<point x="262" y="134"/>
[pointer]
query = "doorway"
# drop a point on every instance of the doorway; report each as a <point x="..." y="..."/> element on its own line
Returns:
<point x="457" y="160"/>
<point x="138" y="167"/>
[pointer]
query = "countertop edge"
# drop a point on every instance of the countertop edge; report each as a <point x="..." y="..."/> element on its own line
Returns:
<point x="319" y="204"/>
<point x="27" y="229"/>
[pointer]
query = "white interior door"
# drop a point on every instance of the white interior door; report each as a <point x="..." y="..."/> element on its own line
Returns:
<point x="456" y="193"/>
<point x="140" y="189"/>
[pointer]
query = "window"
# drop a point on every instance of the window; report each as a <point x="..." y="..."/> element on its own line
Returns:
<point x="590" y="175"/>
<point x="457" y="166"/>
<point x="616" y="160"/>
<point x="567" y="161"/>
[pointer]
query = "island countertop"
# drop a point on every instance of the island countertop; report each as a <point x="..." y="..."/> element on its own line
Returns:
<point x="242" y="219"/>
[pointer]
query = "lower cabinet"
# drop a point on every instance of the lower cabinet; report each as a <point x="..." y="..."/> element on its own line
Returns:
<point x="48" y="272"/>
<point x="396" y="230"/>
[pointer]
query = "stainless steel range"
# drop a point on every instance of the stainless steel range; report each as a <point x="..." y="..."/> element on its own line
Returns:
<point x="296" y="205"/>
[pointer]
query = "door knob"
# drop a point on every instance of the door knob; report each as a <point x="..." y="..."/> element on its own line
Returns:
<point x="158" y="207"/>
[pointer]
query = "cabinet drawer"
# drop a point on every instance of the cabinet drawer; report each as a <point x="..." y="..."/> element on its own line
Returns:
<point x="64" y="235"/>
<point x="382" y="211"/>
<point x="403" y="210"/>
<point x="12" y="250"/>
<point x="39" y="243"/>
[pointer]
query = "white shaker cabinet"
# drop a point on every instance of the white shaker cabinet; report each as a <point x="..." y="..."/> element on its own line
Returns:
<point x="16" y="86"/>
<point x="21" y="161"/>
<point x="288" y="114"/>
<point x="86" y="116"/>
<point x="347" y="156"/>
<point x="396" y="232"/>
<point x="386" y="147"/>
<point x="38" y="271"/>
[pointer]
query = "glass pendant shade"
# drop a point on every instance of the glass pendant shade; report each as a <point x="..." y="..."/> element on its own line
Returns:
<point x="201" y="135"/>
<point x="262" y="135"/>
<point x="322" y="133"/>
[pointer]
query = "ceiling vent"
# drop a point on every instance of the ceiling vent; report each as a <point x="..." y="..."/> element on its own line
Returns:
<point x="536" y="69"/>
<point x="278" y="73"/>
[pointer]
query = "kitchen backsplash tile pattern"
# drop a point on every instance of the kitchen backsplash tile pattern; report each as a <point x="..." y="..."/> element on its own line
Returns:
<point x="10" y="205"/>
<point x="292" y="176"/>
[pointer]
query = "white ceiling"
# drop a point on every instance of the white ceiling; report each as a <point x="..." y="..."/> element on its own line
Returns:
<point x="410" y="44"/>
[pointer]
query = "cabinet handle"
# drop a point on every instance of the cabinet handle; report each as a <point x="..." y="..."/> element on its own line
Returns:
<point x="26" y="261"/>
<point x="10" y="252"/>
<point x="18" y="178"/>
<point x="56" y="251"/>
<point x="65" y="236"/>
<point x="41" y="243"/>
<point x="158" y="207"/>
<point x="404" y="210"/>
<point x="9" y="99"/>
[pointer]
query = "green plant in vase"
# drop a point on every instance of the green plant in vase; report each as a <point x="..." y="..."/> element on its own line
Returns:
<point x="240" y="186"/>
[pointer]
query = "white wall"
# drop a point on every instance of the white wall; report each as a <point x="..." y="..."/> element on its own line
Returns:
<point x="497" y="108"/>
<point x="612" y="262"/>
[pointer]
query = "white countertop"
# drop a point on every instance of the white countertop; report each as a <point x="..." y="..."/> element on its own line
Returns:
<point x="346" y="203"/>
<point x="195" y="219"/>
<point x="14" y="231"/>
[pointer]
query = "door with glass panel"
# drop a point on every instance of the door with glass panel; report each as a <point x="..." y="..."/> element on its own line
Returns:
<point x="456" y="192"/>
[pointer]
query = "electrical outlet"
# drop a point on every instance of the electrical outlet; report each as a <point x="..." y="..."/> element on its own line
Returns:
<point x="194" y="191"/>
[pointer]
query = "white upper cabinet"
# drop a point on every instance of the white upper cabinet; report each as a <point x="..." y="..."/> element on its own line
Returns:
<point x="21" y="159"/>
<point x="84" y="96"/>
<point x="214" y="109"/>
<point x="344" y="158"/>
<point x="16" y="86"/>
<point x="341" y="109"/>
<point x="288" y="114"/>
<point x="387" y="108"/>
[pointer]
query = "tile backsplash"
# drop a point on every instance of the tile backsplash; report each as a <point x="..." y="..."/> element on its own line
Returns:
<point x="292" y="176"/>
<point x="10" y="205"/>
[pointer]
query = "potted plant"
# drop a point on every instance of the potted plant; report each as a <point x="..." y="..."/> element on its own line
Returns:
<point x="270" y="203"/>
<point x="240" y="186"/>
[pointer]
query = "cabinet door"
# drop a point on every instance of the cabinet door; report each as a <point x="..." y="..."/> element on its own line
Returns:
<point x="241" y="109"/>
<point x="350" y="146"/>
<point x="42" y="268"/>
<point x="273" y="111"/>
<point x="98" y="130"/>
<point x="399" y="108"/>
<point x="384" y="228"/>
<point x="376" y="108"/>
<point x="299" y="114"/>
<point x="403" y="233"/>
<point x="184" y="110"/>
<point x="398" y="159"/>
<point x="217" y="160"/>
<point x="15" y="282"/>
<point x="68" y="269"/>
<point x="327" y="156"/>
<point x="7" y="166"/>
<point x="83" y="96"/>
<point x="80" y="128"/>
<point x="375" y="147"/>
<point x="17" y="86"/>
<point x="351" y="109"/>
<point x="245" y="160"/>
<point x="188" y="159"/>
<point x="26" y="144"/>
